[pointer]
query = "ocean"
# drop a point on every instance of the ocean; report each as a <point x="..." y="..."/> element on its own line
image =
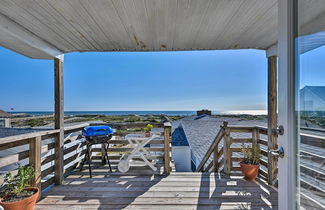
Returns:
<point x="169" y="113"/>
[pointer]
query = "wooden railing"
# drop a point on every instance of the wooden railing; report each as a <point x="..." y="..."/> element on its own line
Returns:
<point x="167" y="147"/>
<point x="225" y="150"/>
<point x="38" y="149"/>
<point x="160" y="149"/>
<point x="254" y="135"/>
<point x="208" y="161"/>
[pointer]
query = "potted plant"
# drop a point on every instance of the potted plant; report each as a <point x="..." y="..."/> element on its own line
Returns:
<point x="251" y="163"/>
<point x="147" y="130"/>
<point x="18" y="194"/>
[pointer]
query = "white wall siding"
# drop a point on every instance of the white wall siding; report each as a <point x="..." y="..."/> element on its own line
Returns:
<point x="182" y="158"/>
<point x="310" y="102"/>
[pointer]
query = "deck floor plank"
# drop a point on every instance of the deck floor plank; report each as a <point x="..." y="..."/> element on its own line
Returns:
<point x="156" y="191"/>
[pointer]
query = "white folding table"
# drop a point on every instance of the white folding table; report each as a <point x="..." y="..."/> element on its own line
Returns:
<point x="137" y="142"/>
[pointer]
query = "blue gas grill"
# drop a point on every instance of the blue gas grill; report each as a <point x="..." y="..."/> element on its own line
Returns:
<point x="97" y="135"/>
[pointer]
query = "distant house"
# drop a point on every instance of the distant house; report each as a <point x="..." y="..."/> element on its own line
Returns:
<point x="181" y="152"/>
<point x="192" y="137"/>
<point x="312" y="98"/>
<point x="5" y="119"/>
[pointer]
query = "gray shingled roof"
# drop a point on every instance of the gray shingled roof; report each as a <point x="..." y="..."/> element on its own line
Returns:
<point x="4" y="114"/>
<point x="179" y="137"/>
<point x="317" y="90"/>
<point x="201" y="131"/>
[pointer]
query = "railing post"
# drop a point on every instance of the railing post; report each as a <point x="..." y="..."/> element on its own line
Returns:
<point x="102" y="150"/>
<point x="59" y="119"/>
<point x="167" y="134"/>
<point x="272" y="121"/>
<point x="35" y="147"/>
<point x="215" y="160"/>
<point x="226" y="149"/>
<point x="255" y="136"/>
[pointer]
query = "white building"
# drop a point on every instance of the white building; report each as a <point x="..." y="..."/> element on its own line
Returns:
<point x="5" y="121"/>
<point x="312" y="98"/>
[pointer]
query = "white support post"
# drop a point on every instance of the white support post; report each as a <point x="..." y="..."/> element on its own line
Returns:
<point x="272" y="51"/>
<point x="7" y="122"/>
<point x="287" y="176"/>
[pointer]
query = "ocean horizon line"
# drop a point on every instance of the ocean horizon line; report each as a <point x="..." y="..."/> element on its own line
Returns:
<point x="144" y="112"/>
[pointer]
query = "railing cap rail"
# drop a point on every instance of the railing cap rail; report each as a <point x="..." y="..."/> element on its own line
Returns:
<point x="22" y="137"/>
<point x="247" y="127"/>
<point x="78" y="126"/>
<point x="241" y="126"/>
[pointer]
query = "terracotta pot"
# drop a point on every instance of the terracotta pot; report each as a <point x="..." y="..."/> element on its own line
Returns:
<point x="147" y="134"/>
<point x="26" y="204"/>
<point x="250" y="171"/>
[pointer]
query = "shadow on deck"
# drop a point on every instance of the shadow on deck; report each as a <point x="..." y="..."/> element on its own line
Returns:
<point x="148" y="191"/>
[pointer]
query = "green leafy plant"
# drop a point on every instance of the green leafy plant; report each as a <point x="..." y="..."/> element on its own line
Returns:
<point x="148" y="128"/>
<point x="252" y="154"/>
<point x="15" y="185"/>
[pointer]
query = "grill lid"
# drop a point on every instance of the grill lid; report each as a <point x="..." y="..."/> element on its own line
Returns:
<point x="97" y="130"/>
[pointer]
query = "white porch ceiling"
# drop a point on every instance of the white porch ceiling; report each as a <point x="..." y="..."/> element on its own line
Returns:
<point x="45" y="28"/>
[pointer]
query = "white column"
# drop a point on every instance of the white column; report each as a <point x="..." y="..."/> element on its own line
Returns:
<point x="287" y="118"/>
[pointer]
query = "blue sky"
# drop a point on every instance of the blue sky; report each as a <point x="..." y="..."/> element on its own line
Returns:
<point x="217" y="80"/>
<point x="312" y="68"/>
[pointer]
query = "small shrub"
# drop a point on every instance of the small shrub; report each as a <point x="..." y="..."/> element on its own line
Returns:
<point x="148" y="128"/>
<point x="15" y="185"/>
<point x="252" y="154"/>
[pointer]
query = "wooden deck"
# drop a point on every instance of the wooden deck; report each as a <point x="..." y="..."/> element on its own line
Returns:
<point x="176" y="191"/>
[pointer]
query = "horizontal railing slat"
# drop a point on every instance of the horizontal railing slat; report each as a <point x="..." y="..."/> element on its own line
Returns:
<point x="241" y="140"/>
<point x="47" y="171"/>
<point x="74" y="147"/>
<point x="240" y="129"/>
<point x="121" y="149"/>
<point x="235" y="149"/>
<point x="237" y="159"/>
<point x="125" y="142"/>
<point x="235" y="168"/>
<point x="74" y="157"/>
<point x="14" y="144"/>
<point x="10" y="159"/>
<point x="48" y="159"/>
<point x="261" y="129"/>
<point x="261" y="141"/>
<point x="264" y="152"/>
<point x="264" y="163"/>
<point x="262" y="172"/>
<point x="118" y="157"/>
